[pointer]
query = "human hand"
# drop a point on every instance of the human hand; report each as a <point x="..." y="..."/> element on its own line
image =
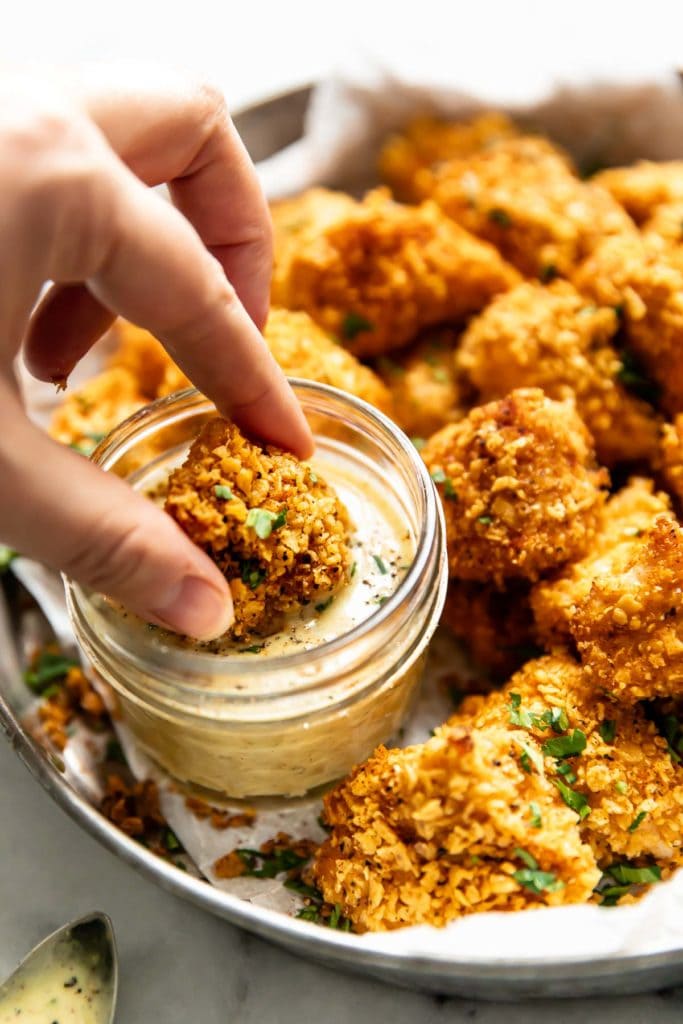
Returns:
<point x="76" y="161"/>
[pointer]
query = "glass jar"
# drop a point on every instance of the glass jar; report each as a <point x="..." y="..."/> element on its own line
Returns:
<point x="246" y="726"/>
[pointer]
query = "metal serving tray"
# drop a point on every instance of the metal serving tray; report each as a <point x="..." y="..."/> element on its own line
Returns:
<point x="266" y="128"/>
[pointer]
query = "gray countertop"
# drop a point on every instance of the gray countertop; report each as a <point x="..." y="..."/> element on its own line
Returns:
<point x="178" y="964"/>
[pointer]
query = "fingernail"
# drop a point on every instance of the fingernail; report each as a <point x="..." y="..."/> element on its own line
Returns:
<point x="195" y="608"/>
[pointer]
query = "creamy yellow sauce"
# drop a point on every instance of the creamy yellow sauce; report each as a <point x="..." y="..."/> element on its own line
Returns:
<point x="62" y="987"/>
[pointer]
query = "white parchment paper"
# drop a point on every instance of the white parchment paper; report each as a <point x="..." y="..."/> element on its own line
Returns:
<point x="601" y="119"/>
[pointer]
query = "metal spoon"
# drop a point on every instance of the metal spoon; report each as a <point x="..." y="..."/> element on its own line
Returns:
<point x="70" y="975"/>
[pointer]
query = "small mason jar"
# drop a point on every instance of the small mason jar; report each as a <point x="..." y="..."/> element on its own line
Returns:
<point x="242" y="725"/>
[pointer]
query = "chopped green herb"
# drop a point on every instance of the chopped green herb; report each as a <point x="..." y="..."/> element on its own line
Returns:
<point x="626" y="874"/>
<point x="621" y="787"/>
<point x="438" y="476"/>
<point x="525" y="857"/>
<point x="440" y="375"/>
<point x="47" y="668"/>
<point x="324" y="604"/>
<point x="383" y="599"/>
<point x="612" y="894"/>
<point x="564" y="769"/>
<point x="547" y="273"/>
<point x="254" y="649"/>
<point x="519" y="715"/>
<point x="171" y="840"/>
<point x="535" y="813"/>
<point x="525" y="761"/>
<point x="264" y="522"/>
<point x="83" y="448"/>
<point x="52" y="690"/>
<point x="557" y="719"/>
<point x="353" y="324"/>
<point x="485" y="520"/>
<point x="500" y="217"/>
<point x="380" y="564"/>
<point x="529" y="757"/>
<point x="449" y="491"/>
<point x="565" y="746"/>
<point x="419" y="442"/>
<point x="221" y="491"/>
<point x="7" y="556"/>
<point x="576" y="801"/>
<point x="312" y="476"/>
<point x="637" y="821"/>
<point x="353" y="570"/>
<point x="302" y="889"/>
<point x="608" y="730"/>
<point x="261" y="865"/>
<point x="252" y="574"/>
<point x="538" y="881"/>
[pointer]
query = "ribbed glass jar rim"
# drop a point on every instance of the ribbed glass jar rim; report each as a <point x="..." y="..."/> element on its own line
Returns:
<point x="325" y="663"/>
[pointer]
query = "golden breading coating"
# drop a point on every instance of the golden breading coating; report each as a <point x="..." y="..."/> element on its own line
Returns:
<point x="665" y="226"/>
<point x="521" y="195"/>
<point x="520" y="487"/>
<point x="495" y="625"/>
<point x="644" y="186"/>
<point x="423" y="384"/>
<point x="147" y="360"/>
<point x="87" y="415"/>
<point x="552" y="338"/>
<point x="630" y="791"/>
<point x="375" y="273"/>
<point x="629" y="628"/>
<point x="625" y="518"/>
<point x="428" y="141"/>
<point x="645" y="283"/>
<point x="436" y="831"/>
<point x="276" y="530"/>
<point x="304" y="350"/>
<point x="670" y="462"/>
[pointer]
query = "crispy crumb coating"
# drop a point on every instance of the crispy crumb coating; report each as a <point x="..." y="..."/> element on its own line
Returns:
<point x="495" y="625"/>
<point x="645" y="283"/>
<point x="670" y="461"/>
<point x="304" y="556"/>
<point x="623" y="521"/>
<point x="423" y="383"/>
<point x="87" y="415"/>
<point x="303" y="349"/>
<point x="623" y="776"/>
<point x="522" y="195"/>
<point x="644" y="186"/>
<point x="428" y="141"/>
<point x="375" y="273"/>
<point x="147" y="360"/>
<point x="552" y="338"/>
<point x="665" y="226"/>
<point x="433" y="832"/>
<point x="520" y="487"/>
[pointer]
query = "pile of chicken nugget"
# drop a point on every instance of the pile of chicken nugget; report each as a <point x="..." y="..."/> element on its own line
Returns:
<point x="524" y="326"/>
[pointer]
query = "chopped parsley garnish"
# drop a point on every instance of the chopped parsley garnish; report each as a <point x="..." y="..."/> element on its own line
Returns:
<point x="621" y="787"/>
<point x="449" y="491"/>
<point x="221" y="491"/>
<point x="353" y="324"/>
<point x="419" y="442"/>
<point x="608" y="730"/>
<point x="353" y="570"/>
<point x="530" y="757"/>
<point x="254" y="649"/>
<point x="526" y="857"/>
<point x="264" y="522"/>
<point x="380" y="564"/>
<point x="7" y="556"/>
<point x="485" y="520"/>
<point x="535" y="815"/>
<point x="557" y="719"/>
<point x="252" y="574"/>
<point x="565" y="770"/>
<point x="525" y="761"/>
<point x="171" y="841"/>
<point x="565" y="746"/>
<point x="625" y="876"/>
<point x="538" y="881"/>
<point x="576" y="801"/>
<point x="261" y="865"/>
<point x="633" y="378"/>
<point x="324" y="604"/>
<point x="312" y="476"/>
<point x="438" y="476"/>
<point x="637" y="821"/>
<point x="383" y="599"/>
<point x="547" y="273"/>
<point x="48" y="667"/>
<point x="500" y="217"/>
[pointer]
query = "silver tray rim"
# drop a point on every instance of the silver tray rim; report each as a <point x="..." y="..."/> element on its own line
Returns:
<point x="508" y="978"/>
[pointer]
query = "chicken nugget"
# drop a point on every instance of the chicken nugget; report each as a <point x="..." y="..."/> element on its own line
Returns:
<point x="87" y="415"/>
<point x="147" y="360"/>
<point x="275" y="529"/>
<point x="607" y="760"/>
<point x="623" y="522"/>
<point x="552" y="338"/>
<point x="644" y="186"/>
<point x="303" y="349"/>
<point x="665" y="226"/>
<point x="521" y="195"/>
<point x="428" y="141"/>
<point x="670" y="461"/>
<point x="447" y="828"/>
<point x="496" y="626"/>
<point x="424" y="387"/>
<point x="644" y="283"/>
<point x="375" y="273"/>
<point x="520" y="487"/>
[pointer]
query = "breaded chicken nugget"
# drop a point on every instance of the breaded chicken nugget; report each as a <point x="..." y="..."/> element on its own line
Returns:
<point x="87" y="415"/>
<point x="643" y="186"/>
<point x="304" y="350"/>
<point x="616" y="772"/>
<point x="521" y="195"/>
<point x="496" y="626"/>
<point x="147" y="360"/>
<point x="670" y="461"/>
<point x="422" y="381"/>
<point x="552" y="338"/>
<point x="447" y="828"/>
<point x="645" y="283"/>
<point x="375" y="273"/>
<point x="274" y="528"/>
<point x="520" y="487"/>
<point x="623" y="521"/>
<point x="428" y="141"/>
<point x="665" y="226"/>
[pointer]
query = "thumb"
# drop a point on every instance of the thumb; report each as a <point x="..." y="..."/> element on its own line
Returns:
<point x="62" y="510"/>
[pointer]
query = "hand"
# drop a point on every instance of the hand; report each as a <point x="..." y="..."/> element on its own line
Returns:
<point x="76" y="161"/>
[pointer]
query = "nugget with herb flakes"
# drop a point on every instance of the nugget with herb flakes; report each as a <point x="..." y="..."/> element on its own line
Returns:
<point x="644" y="186"/>
<point x="451" y="827"/>
<point x="88" y="414"/>
<point x="274" y="528"/>
<point x="375" y="273"/>
<point x="520" y="487"/>
<point x="552" y="338"/>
